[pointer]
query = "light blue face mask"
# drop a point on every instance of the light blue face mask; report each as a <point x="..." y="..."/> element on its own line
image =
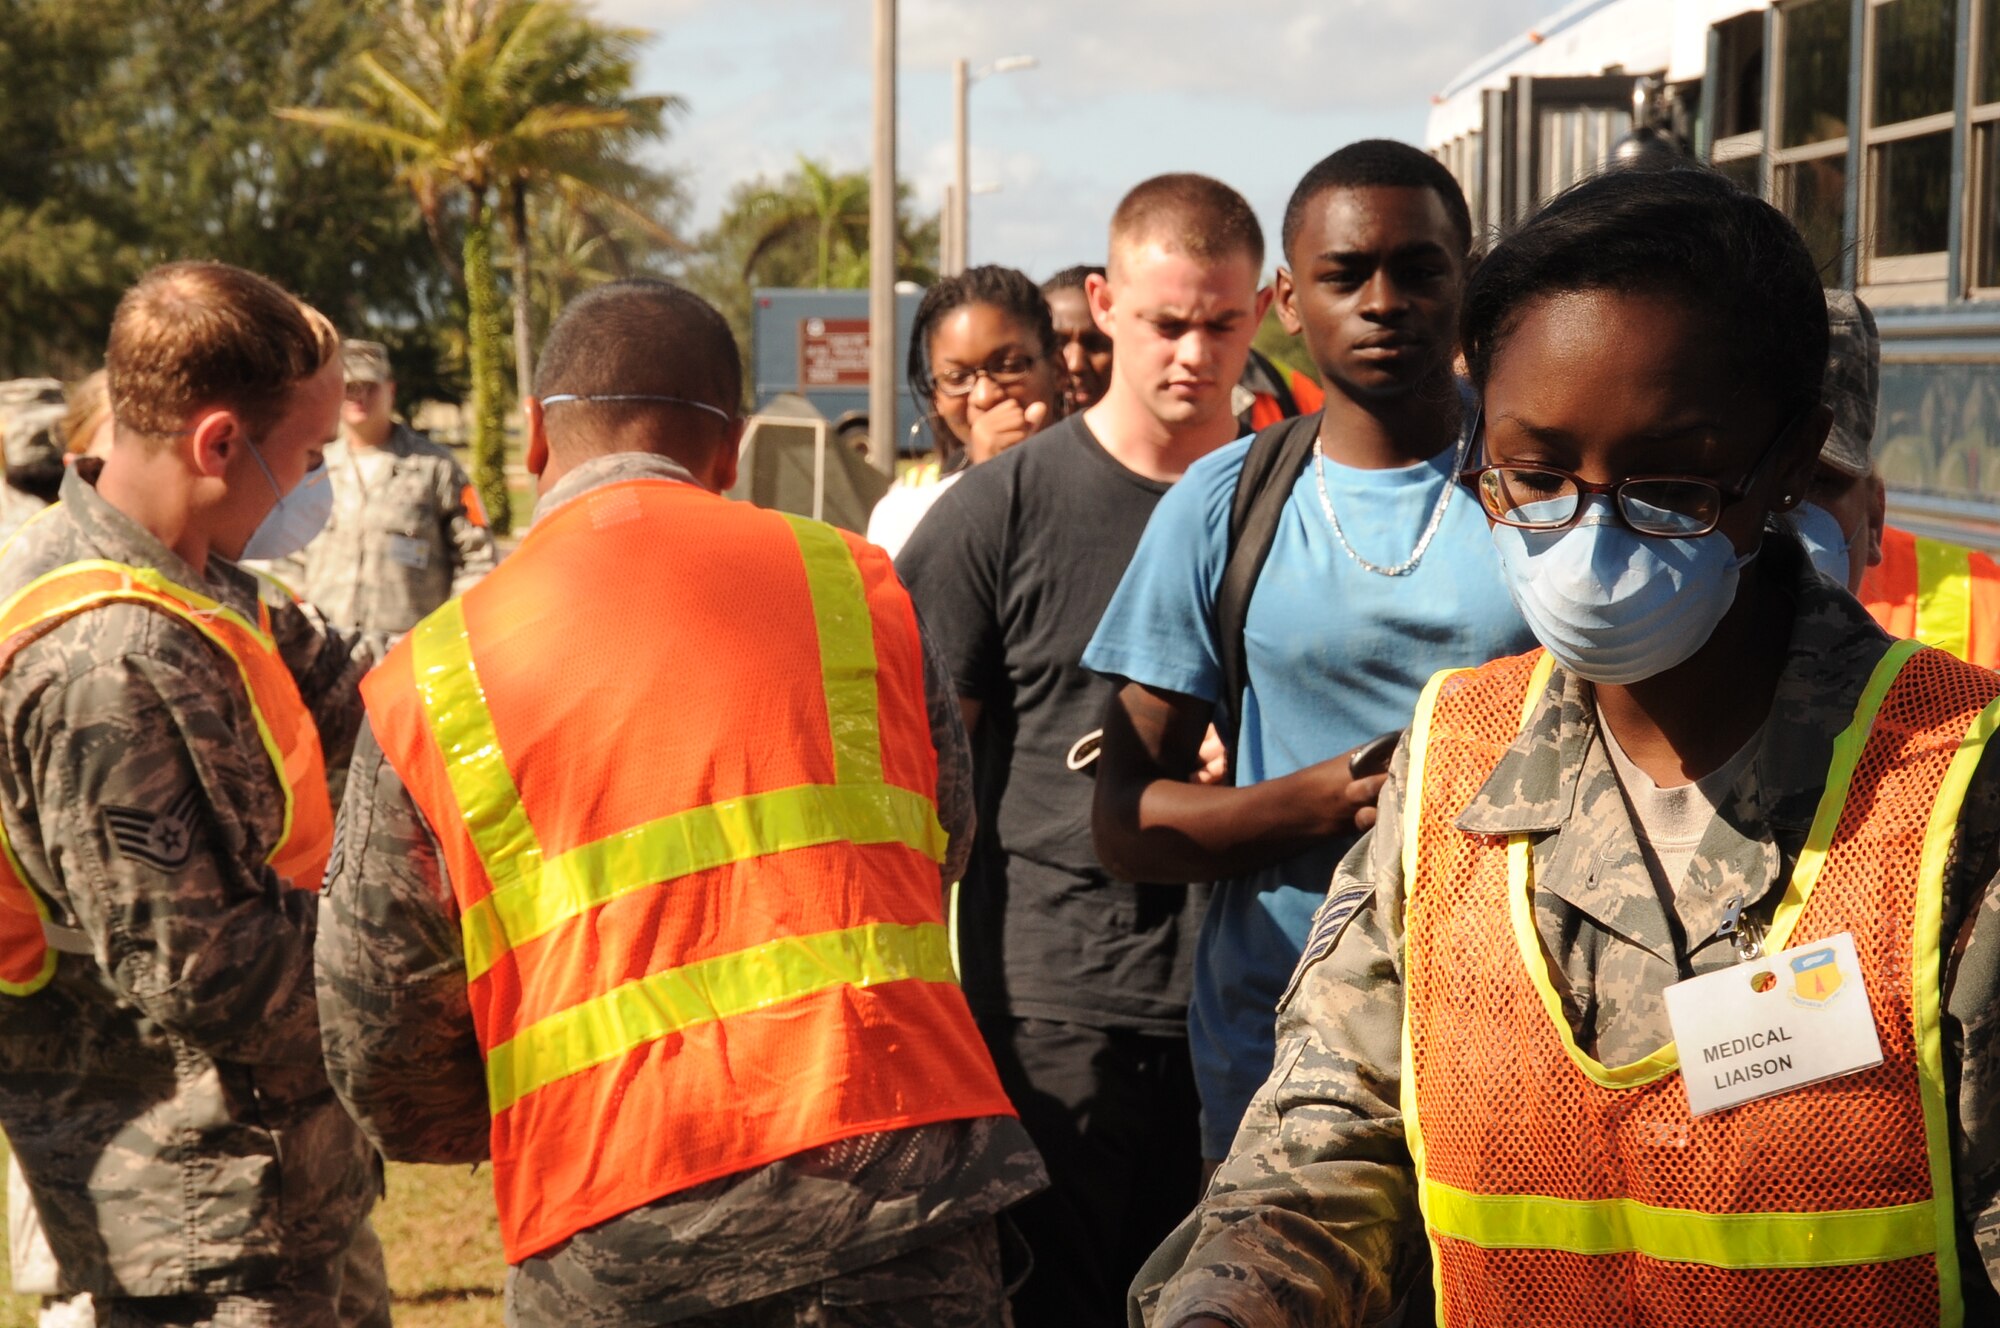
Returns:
<point x="1612" y="605"/>
<point x="1826" y="543"/>
<point x="298" y="516"/>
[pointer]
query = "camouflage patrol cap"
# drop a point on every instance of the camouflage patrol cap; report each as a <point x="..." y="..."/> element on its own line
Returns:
<point x="365" y="361"/>
<point x="19" y="392"/>
<point x="31" y="415"/>
<point x="1853" y="382"/>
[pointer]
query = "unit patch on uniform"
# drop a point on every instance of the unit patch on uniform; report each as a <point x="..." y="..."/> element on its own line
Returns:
<point x="1328" y="923"/>
<point x="162" y="839"/>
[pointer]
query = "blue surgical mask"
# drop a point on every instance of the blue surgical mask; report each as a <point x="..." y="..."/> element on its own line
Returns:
<point x="298" y="516"/>
<point x="1615" y="606"/>
<point x="1826" y="543"/>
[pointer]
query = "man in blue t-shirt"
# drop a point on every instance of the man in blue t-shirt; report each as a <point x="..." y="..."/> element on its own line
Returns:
<point x="1380" y="574"/>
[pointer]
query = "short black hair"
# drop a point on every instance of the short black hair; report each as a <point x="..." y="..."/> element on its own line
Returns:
<point x="1071" y="278"/>
<point x="1005" y="288"/>
<point x="1685" y="233"/>
<point x="641" y="334"/>
<point x="1377" y="163"/>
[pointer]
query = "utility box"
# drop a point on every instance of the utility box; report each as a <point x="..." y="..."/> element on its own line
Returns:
<point x="814" y="343"/>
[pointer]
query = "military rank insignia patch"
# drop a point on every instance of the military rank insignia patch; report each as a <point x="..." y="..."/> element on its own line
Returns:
<point x="1328" y="923"/>
<point x="162" y="839"/>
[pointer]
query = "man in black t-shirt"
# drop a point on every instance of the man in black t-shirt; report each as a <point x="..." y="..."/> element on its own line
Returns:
<point x="1080" y="982"/>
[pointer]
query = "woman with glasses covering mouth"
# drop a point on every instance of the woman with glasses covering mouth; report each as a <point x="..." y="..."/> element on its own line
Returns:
<point x="1666" y="988"/>
<point x="986" y="374"/>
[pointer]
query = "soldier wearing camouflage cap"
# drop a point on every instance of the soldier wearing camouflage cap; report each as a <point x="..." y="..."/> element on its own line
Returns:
<point x="167" y="720"/>
<point x="407" y="531"/>
<point x="31" y="414"/>
<point x="1942" y="594"/>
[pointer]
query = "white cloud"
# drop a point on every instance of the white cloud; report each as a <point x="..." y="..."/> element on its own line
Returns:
<point x="1336" y="54"/>
<point x="1249" y="90"/>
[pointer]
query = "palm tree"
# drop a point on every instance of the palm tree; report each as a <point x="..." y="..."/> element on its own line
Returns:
<point x="811" y="202"/>
<point x="498" y="100"/>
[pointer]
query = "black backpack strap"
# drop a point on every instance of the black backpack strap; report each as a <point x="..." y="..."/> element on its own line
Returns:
<point x="1276" y="459"/>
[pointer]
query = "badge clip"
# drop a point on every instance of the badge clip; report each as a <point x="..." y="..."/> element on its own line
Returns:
<point x="1744" y="934"/>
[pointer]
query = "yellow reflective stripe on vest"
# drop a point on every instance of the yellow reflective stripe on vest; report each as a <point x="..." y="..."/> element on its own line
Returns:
<point x="146" y="585"/>
<point x="1927" y="1000"/>
<point x="647" y="1009"/>
<point x="1944" y="596"/>
<point x="454" y="702"/>
<point x="1720" y="1240"/>
<point x="698" y="839"/>
<point x="533" y="894"/>
<point x="846" y="650"/>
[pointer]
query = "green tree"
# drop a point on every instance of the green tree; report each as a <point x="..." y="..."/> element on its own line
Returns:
<point x="807" y="228"/>
<point x="575" y="249"/>
<point x="480" y="104"/>
<point x="133" y="132"/>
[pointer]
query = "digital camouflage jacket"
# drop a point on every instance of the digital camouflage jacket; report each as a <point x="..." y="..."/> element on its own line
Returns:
<point x="165" y="1092"/>
<point x="1313" y="1218"/>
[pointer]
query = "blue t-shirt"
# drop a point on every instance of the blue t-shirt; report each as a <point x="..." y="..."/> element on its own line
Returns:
<point x="1336" y="655"/>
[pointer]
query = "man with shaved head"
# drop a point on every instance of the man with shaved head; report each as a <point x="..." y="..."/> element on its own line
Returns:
<point x="1080" y="978"/>
<point x="647" y="838"/>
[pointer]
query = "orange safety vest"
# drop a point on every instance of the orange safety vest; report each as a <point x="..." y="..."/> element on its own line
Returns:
<point x="290" y="738"/>
<point x="1266" y="410"/>
<point x="1556" y="1189"/>
<point x="1944" y="595"/>
<point x="677" y="756"/>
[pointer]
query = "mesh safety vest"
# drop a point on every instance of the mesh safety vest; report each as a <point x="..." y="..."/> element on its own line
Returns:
<point x="29" y="938"/>
<point x="1559" y="1190"/>
<point x="676" y="753"/>
<point x="1944" y="595"/>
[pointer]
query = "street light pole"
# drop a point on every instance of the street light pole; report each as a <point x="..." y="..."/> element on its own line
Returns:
<point x="961" y="168"/>
<point x="960" y="222"/>
<point x="882" y="250"/>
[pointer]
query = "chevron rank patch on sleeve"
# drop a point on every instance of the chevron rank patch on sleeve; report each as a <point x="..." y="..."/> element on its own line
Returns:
<point x="161" y="839"/>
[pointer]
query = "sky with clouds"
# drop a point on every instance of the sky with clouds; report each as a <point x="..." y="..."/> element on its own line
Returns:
<point x="1250" y="91"/>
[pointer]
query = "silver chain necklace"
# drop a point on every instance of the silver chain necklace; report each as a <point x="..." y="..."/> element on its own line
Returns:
<point x="1408" y="565"/>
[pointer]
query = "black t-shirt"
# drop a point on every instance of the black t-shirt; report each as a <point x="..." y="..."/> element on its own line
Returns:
<point x="1012" y="570"/>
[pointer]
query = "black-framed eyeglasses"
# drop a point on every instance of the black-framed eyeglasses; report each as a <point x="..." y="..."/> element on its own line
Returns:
<point x="1006" y="373"/>
<point x="1549" y="498"/>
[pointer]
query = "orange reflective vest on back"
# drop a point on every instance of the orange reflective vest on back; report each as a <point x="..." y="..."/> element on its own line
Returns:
<point x="1267" y="410"/>
<point x="290" y="738"/>
<point x="1556" y="1189"/>
<point x="1944" y="595"/>
<point x="677" y="755"/>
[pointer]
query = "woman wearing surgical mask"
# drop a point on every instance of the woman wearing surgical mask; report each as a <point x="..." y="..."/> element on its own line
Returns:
<point x="1665" y="989"/>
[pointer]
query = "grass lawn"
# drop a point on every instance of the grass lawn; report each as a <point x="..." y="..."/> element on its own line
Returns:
<point x="443" y="1245"/>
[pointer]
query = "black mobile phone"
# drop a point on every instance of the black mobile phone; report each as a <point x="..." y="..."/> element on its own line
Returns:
<point x="1372" y="757"/>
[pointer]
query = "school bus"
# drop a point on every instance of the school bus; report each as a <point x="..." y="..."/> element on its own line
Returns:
<point x="1873" y="124"/>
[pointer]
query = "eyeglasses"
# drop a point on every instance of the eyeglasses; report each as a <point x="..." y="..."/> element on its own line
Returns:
<point x="1664" y="506"/>
<point x="359" y="392"/>
<point x="716" y="411"/>
<point x="1009" y="371"/>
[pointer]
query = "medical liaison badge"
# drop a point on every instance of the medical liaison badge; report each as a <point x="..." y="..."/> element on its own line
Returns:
<point x="1816" y="977"/>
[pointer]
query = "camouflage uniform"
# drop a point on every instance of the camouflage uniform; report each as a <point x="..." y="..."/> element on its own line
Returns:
<point x="899" y="1226"/>
<point x="392" y="552"/>
<point x="165" y="1093"/>
<point x="1313" y="1219"/>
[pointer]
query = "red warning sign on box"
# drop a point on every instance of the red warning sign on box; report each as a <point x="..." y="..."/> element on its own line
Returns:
<point x="833" y="352"/>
